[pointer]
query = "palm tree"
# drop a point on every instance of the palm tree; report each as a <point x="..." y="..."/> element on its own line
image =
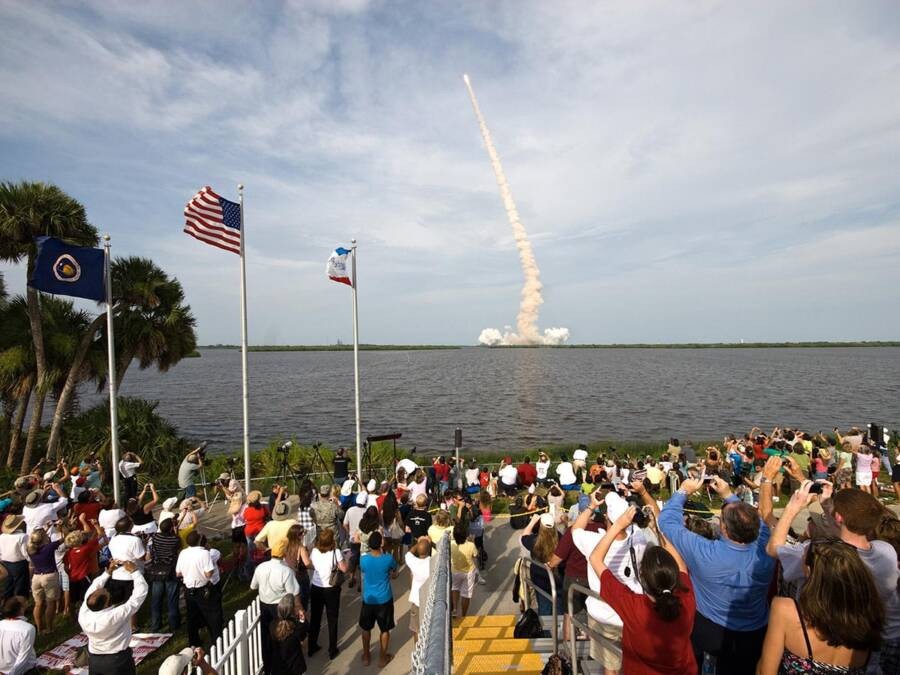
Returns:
<point x="29" y="210"/>
<point x="152" y="325"/>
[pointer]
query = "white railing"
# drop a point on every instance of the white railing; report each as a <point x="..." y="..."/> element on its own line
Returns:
<point x="238" y="651"/>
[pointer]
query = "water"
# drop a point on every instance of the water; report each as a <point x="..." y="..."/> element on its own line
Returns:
<point x="521" y="398"/>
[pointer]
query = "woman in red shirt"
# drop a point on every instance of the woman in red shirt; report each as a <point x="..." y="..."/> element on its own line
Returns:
<point x="657" y="625"/>
<point x="255" y="516"/>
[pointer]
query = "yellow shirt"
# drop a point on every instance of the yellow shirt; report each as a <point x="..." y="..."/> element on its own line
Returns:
<point x="275" y="535"/>
<point x="435" y="532"/>
<point x="655" y="475"/>
<point x="462" y="556"/>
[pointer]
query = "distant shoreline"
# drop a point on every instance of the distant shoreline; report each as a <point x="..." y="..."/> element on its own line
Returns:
<point x="682" y="345"/>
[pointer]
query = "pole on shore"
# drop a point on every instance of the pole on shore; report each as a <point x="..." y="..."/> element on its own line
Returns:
<point x="246" y="394"/>
<point x="457" y="444"/>
<point x="111" y="370"/>
<point x="356" y="356"/>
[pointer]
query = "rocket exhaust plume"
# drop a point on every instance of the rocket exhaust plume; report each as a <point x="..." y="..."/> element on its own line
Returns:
<point x="527" y="331"/>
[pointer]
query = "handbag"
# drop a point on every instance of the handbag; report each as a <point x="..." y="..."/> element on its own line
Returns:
<point x="336" y="578"/>
<point x="528" y="626"/>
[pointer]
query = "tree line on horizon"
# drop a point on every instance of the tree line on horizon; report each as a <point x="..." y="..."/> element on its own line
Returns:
<point x="48" y="347"/>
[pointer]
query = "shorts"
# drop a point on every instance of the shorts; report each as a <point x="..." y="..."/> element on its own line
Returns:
<point x="237" y="535"/>
<point x="895" y="474"/>
<point x="579" y="600"/>
<point x="464" y="583"/>
<point x="45" y="587"/>
<point x="413" y="619"/>
<point x="382" y="614"/>
<point x="63" y="577"/>
<point x="864" y="478"/>
<point x="603" y="652"/>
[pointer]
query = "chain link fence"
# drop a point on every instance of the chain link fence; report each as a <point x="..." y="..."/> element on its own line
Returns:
<point x="433" y="654"/>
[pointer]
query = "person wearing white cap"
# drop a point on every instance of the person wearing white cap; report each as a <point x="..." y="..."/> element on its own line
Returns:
<point x="371" y="493"/>
<point x="351" y="527"/>
<point x="541" y="545"/>
<point x="622" y="561"/>
<point x="185" y="661"/>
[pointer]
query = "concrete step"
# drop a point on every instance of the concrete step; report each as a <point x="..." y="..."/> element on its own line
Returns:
<point x="484" y="633"/>
<point x="501" y="646"/>
<point x="495" y="664"/>
<point x="492" y="620"/>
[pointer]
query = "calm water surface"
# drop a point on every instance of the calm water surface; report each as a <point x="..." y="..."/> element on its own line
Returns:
<point x="520" y="398"/>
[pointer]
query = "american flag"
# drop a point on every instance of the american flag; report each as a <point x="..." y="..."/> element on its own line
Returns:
<point x="215" y="220"/>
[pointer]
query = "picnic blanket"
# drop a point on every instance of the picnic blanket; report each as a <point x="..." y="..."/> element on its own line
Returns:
<point x="66" y="654"/>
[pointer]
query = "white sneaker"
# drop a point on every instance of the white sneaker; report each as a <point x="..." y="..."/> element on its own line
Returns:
<point x="482" y="580"/>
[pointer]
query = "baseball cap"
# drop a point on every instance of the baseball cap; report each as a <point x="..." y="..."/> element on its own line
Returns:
<point x="546" y="520"/>
<point x="347" y="488"/>
<point x="371" y="485"/>
<point x="325" y="490"/>
<point x="615" y="506"/>
<point x="361" y="499"/>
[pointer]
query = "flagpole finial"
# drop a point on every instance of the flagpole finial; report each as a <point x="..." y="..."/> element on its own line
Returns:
<point x="353" y="241"/>
<point x="106" y="237"/>
<point x="240" y="186"/>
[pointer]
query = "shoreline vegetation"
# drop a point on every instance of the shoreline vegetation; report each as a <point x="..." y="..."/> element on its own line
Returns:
<point x="638" y="345"/>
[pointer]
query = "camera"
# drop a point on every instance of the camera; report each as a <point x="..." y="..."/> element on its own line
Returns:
<point x="641" y="518"/>
<point x="285" y="447"/>
<point x="231" y="461"/>
<point x="816" y="488"/>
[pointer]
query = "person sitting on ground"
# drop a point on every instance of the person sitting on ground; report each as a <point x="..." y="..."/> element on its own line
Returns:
<point x="509" y="478"/>
<point x="527" y="473"/>
<point x="418" y="562"/>
<point x="566" y="473"/>
<point x="555" y="499"/>
<point x="657" y="623"/>
<point x="106" y="617"/>
<point x="730" y="576"/>
<point x="835" y="623"/>
<point x="579" y="459"/>
<point x="377" y="600"/>
<point x="16" y="638"/>
<point x="542" y="468"/>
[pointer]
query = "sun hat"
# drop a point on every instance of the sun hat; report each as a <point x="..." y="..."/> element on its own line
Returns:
<point x="225" y="476"/>
<point x="361" y="499"/>
<point x="11" y="524"/>
<point x="49" y="475"/>
<point x="170" y="503"/>
<point x="176" y="663"/>
<point x="281" y="511"/>
<point x="22" y="482"/>
<point x="189" y="503"/>
<point x="33" y="497"/>
<point x="325" y="490"/>
<point x="347" y="488"/>
<point x="615" y="506"/>
<point x="546" y="520"/>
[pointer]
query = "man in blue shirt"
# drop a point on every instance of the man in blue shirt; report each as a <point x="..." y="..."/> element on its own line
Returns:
<point x="377" y="599"/>
<point x="731" y="577"/>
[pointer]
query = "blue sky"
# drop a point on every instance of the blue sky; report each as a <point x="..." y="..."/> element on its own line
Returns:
<point x="701" y="171"/>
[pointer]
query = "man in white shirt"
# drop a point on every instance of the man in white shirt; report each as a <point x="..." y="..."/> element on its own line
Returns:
<point x="17" y="655"/>
<point x="38" y="514"/>
<point x="109" y="515"/>
<point x="579" y="458"/>
<point x="566" y="473"/>
<point x="128" y="468"/>
<point x="509" y="477"/>
<point x="14" y="555"/>
<point x="105" y="617"/>
<point x="418" y="562"/>
<point x="351" y="525"/>
<point x="203" y="599"/>
<point x="542" y="466"/>
<point x="601" y="617"/>
<point x="274" y="580"/>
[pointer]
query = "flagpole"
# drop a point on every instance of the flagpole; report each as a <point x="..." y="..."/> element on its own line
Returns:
<point x="356" y="358"/>
<point x="111" y="370"/>
<point x="246" y="400"/>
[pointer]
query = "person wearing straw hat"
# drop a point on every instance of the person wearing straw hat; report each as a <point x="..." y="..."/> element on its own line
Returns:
<point x="38" y="513"/>
<point x="274" y="533"/>
<point x="14" y="556"/>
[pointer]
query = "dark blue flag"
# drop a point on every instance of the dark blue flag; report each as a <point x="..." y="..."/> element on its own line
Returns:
<point x="68" y="270"/>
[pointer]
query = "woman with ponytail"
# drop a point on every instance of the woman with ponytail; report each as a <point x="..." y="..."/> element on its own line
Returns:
<point x="288" y="631"/>
<point x="657" y="624"/>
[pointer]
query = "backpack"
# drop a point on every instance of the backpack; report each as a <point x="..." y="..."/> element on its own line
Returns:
<point x="528" y="626"/>
<point x="557" y="665"/>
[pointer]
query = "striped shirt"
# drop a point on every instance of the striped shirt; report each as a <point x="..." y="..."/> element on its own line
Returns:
<point x="165" y="550"/>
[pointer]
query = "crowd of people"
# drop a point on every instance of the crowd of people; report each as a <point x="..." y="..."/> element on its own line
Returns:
<point x="682" y="587"/>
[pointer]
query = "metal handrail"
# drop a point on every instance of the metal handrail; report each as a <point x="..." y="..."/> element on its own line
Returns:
<point x="527" y="562"/>
<point x="575" y="623"/>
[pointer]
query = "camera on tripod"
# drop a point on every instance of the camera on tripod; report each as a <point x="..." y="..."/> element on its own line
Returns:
<point x="231" y="461"/>
<point x="285" y="448"/>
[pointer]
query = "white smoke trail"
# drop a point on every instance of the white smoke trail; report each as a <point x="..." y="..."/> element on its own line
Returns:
<point x="527" y="319"/>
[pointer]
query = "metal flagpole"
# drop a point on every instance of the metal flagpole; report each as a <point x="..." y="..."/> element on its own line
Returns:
<point x="356" y="357"/>
<point x="111" y="370"/>
<point x="244" y="346"/>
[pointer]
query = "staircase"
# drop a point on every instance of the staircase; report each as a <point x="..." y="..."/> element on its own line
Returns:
<point x="485" y="645"/>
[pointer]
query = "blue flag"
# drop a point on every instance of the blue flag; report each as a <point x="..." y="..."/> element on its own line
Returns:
<point x="68" y="270"/>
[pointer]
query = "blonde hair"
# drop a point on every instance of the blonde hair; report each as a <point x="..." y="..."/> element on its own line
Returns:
<point x="545" y="544"/>
<point x="36" y="540"/>
<point x="442" y="518"/>
<point x="421" y="501"/>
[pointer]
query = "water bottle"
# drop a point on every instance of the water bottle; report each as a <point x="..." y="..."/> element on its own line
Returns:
<point x="709" y="664"/>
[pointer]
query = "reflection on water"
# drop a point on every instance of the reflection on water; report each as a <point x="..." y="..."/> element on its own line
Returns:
<point x="519" y="398"/>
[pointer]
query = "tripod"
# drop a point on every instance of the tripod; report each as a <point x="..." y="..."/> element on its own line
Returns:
<point x="219" y="489"/>
<point x="286" y="473"/>
<point x="317" y="459"/>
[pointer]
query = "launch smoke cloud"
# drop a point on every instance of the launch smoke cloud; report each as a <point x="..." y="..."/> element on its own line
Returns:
<point x="527" y="331"/>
